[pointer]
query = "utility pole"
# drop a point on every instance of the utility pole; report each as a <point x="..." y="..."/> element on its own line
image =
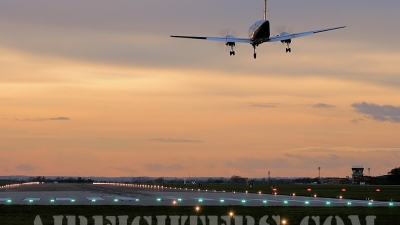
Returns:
<point x="319" y="174"/>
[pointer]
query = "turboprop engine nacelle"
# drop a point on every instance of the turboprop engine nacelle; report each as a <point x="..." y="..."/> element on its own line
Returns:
<point x="229" y="43"/>
<point x="283" y="34"/>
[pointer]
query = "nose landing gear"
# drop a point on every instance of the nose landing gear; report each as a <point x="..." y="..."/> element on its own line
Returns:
<point x="255" y="53"/>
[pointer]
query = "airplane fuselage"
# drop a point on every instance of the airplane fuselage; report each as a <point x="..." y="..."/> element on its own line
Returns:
<point x="260" y="31"/>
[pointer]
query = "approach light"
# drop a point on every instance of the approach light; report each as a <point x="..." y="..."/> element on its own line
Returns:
<point x="72" y="200"/>
<point x="294" y="194"/>
<point x="200" y="200"/>
<point x="284" y="222"/>
<point x="391" y="204"/>
<point x="222" y="201"/>
<point x="343" y="189"/>
<point x="243" y="201"/>
<point x="315" y="195"/>
<point x="179" y="199"/>
<point x="341" y="197"/>
<point x="247" y="192"/>
<point x="328" y="203"/>
<point x="174" y="202"/>
<point x="306" y="202"/>
<point x="378" y="190"/>
<point x="52" y="200"/>
<point x="9" y="201"/>
<point x="231" y="214"/>
<point x="349" y="203"/>
<point x="265" y="201"/>
<point x="197" y="208"/>
<point x="137" y="200"/>
<point x="285" y="202"/>
<point x="116" y="200"/>
<point x="308" y="189"/>
<point x="369" y="203"/>
<point x="158" y="199"/>
<point x="93" y="200"/>
<point x="275" y="193"/>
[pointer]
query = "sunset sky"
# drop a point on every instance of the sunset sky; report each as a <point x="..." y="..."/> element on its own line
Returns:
<point x="98" y="88"/>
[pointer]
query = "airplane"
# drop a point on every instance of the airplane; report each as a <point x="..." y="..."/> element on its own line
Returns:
<point x="259" y="33"/>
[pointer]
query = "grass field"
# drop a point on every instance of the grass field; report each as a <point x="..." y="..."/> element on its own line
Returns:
<point x="14" y="214"/>
<point x="386" y="193"/>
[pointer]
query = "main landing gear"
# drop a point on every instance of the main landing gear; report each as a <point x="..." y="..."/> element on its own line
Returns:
<point x="288" y="49"/>
<point x="231" y="44"/>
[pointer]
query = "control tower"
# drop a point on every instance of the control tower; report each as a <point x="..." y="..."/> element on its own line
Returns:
<point x="358" y="174"/>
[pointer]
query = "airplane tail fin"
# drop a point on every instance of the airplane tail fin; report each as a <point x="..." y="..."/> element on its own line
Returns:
<point x="265" y="9"/>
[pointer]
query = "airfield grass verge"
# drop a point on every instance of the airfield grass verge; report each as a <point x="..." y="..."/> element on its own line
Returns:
<point x="25" y="214"/>
<point x="386" y="193"/>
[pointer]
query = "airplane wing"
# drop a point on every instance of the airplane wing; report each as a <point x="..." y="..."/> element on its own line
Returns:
<point x="222" y="39"/>
<point x="302" y="34"/>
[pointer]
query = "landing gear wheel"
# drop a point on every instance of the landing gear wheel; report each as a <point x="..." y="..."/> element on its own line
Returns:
<point x="233" y="53"/>
<point x="255" y="55"/>
<point x="288" y="50"/>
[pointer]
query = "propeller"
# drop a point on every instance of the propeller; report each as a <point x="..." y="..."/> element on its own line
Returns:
<point x="282" y="30"/>
<point x="223" y="33"/>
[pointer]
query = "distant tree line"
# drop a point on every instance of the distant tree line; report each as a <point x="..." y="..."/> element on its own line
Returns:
<point x="394" y="176"/>
<point x="60" y="180"/>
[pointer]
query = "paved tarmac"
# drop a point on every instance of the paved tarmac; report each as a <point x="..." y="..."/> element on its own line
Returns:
<point x="147" y="195"/>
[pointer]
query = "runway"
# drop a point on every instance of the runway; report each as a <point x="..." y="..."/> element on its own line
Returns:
<point x="148" y="195"/>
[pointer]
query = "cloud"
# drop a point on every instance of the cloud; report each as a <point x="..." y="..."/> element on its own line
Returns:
<point x="264" y="105"/>
<point x="323" y="106"/>
<point x="61" y="118"/>
<point x="379" y="113"/>
<point x="158" y="167"/>
<point x="174" y="167"/>
<point x="175" y="140"/>
<point x="25" y="167"/>
<point x="125" y="169"/>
